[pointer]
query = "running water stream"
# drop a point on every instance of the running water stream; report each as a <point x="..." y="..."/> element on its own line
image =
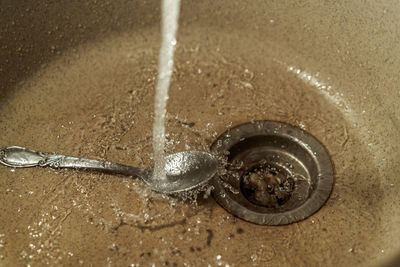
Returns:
<point x="169" y="25"/>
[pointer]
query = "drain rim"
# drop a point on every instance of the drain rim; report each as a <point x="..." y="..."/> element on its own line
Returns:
<point x="310" y="144"/>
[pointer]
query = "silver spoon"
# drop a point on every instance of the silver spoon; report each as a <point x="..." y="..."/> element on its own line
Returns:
<point x="184" y="170"/>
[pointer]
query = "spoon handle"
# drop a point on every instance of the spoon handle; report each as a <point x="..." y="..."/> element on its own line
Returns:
<point x="20" y="157"/>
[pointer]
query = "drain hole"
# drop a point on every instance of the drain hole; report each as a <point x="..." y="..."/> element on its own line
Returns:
<point x="267" y="186"/>
<point x="275" y="173"/>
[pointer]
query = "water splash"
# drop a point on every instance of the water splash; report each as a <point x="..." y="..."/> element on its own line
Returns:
<point x="170" y="14"/>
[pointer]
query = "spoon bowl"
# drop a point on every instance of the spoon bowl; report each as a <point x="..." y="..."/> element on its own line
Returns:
<point x="184" y="171"/>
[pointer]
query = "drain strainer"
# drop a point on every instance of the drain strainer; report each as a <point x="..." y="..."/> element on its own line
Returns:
<point x="275" y="173"/>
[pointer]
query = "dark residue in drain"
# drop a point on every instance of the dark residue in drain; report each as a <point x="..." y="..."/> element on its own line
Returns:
<point x="266" y="186"/>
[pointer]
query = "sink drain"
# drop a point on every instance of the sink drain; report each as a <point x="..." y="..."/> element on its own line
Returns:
<point x="275" y="173"/>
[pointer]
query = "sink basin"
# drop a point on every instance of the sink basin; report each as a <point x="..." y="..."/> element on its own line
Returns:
<point x="79" y="79"/>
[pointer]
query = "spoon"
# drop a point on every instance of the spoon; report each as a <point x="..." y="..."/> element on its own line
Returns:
<point x="184" y="170"/>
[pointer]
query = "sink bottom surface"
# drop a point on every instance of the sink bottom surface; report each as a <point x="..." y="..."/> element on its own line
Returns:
<point x="96" y="101"/>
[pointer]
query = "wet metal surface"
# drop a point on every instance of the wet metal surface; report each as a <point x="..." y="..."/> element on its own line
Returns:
<point x="280" y="173"/>
<point x="184" y="170"/>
